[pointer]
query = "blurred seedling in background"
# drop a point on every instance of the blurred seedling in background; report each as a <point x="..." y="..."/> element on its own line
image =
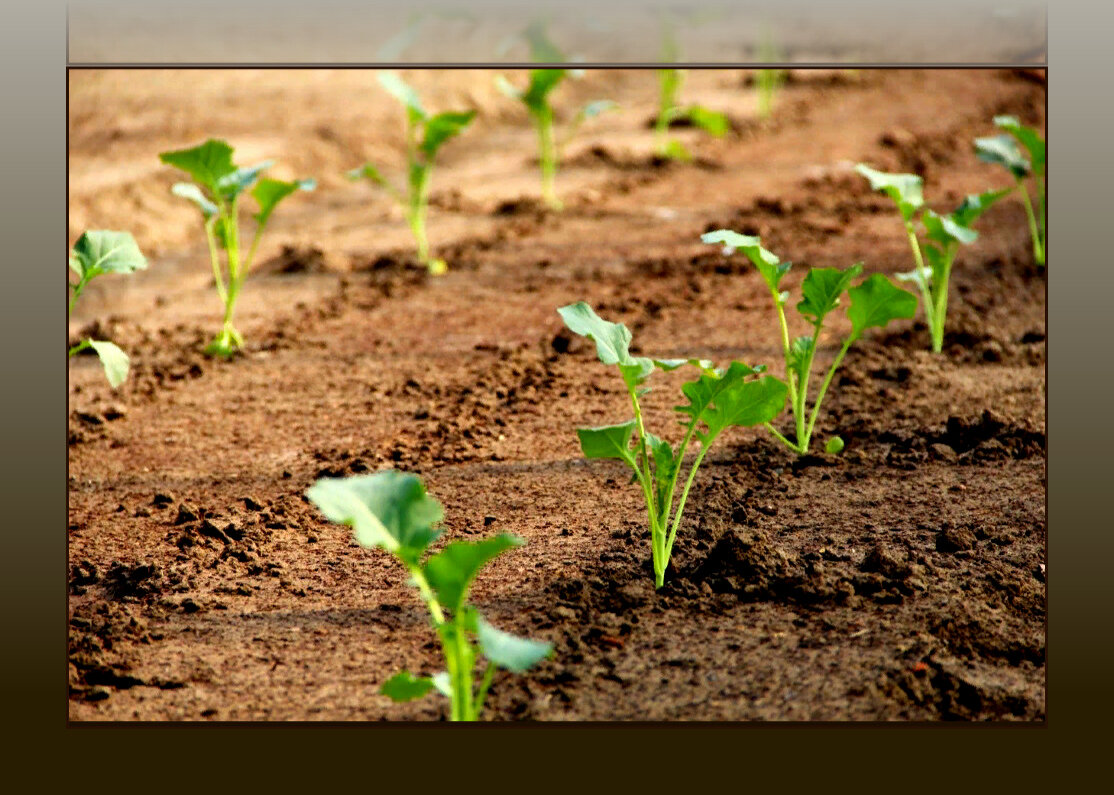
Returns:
<point x="217" y="188"/>
<point x="391" y="510"/>
<point x="1003" y="150"/>
<point x="768" y="81"/>
<point x="95" y="253"/>
<point x="425" y="135"/>
<point x="944" y="234"/>
<point x="536" y="98"/>
<point x="670" y="81"/>
<point x="874" y="303"/>
<point x="718" y="399"/>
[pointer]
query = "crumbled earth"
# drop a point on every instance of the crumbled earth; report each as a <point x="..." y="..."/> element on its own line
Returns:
<point x="901" y="580"/>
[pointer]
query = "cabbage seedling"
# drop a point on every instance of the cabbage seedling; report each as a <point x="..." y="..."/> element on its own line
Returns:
<point x="391" y="510"/>
<point x="874" y="303"/>
<point x="717" y="400"/>
<point x="1003" y="150"/>
<point x="425" y="135"/>
<point x="670" y="81"/>
<point x="95" y="253"/>
<point x="216" y="190"/>
<point x="768" y="81"/>
<point x="944" y="235"/>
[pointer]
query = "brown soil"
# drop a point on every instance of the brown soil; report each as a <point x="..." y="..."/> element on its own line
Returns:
<point x="904" y="579"/>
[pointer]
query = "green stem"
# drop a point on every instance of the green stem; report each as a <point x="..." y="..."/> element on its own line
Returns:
<point x="76" y="349"/>
<point x="824" y="388"/>
<point x="782" y="439"/>
<point x="416" y="213"/>
<point x="790" y="376"/>
<point x="800" y="408"/>
<point x="548" y="156"/>
<point x="941" y="307"/>
<point x="485" y="685"/>
<point x="77" y="288"/>
<point x="926" y="295"/>
<point x="214" y="260"/>
<point x="1038" y="250"/>
<point x="667" y="99"/>
<point x="705" y="446"/>
<point x="645" y="478"/>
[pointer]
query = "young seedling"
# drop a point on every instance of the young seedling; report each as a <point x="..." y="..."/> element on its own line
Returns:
<point x="670" y="81"/>
<point x="717" y="400"/>
<point x="944" y="235"/>
<point x="1003" y="150"/>
<point x="768" y="81"/>
<point x="535" y="97"/>
<point x="216" y="190"/>
<point x="874" y="303"/>
<point x="425" y="135"/>
<point x="391" y="510"/>
<point x="95" y="253"/>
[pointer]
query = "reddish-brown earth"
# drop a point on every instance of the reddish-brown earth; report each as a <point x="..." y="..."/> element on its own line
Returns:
<point x="903" y="579"/>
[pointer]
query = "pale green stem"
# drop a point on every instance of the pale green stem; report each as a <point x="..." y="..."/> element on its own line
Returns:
<point x="922" y="281"/>
<point x="705" y="446"/>
<point x="941" y="307"/>
<point x="214" y="260"/>
<point x="76" y="349"/>
<point x="548" y="156"/>
<point x="824" y="389"/>
<point x="782" y="439"/>
<point x="485" y="685"/>
<point x="1038" y="250"/>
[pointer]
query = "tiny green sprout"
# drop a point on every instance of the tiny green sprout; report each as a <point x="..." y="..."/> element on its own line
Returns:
<point x="670" y="81"/>
<point x="768" y="80"/>
<point x="834" y="446"/>
<point x="874" y="303"/>
<point x="718" y="399"/>
<point x="391" y="510"/>
<point x="95" y="253"/>
<point x="425" y="134"/>
<point x="944" y="235"/>
<point x="1003" y="150"/>
<point x="216" y="190"/>
<point x="536" y="99"/>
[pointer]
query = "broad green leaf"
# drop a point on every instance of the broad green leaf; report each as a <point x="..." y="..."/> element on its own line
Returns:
<point x="746" y="404"/>
<point x="612" y="339"/>
<point x="542" y="82"/>
<point x="944" y="229"/>
<point x="516" y="654"/>
<point x="907" y="190"/>
<point x="771" y="269"/>
<point x="710" y="121"/>
<point x="975" y="204"/>
<point x="876" y="302"/>
<point x="207" y="163"/>
<point x="113" y="360"/>
<point x="822" y="288"/>
<point x="404" y="686"/>
<point x="636" y="370"/>
<point x="232" y="185"/>
<point x="1028" y="137"/>
<point x="387" y="509"/>
<point x="100" y="251"/>
<point x="370" y="172"/>
<point x="441" y="128"/>
<point x="608" y="441"/>
<point x="665" y="465"/>
<point x="703" y="392"/>
<point x="397" y="88"/>
<point x="269" y="192"/>
<point x="450" y="572"/>
<point x="191" y="192"/>
<point x="1003" y="150"/>
<point x="672" y="364"/>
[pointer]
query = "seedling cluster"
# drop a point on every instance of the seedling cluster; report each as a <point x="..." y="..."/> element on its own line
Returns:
<point x="670" y="81"/>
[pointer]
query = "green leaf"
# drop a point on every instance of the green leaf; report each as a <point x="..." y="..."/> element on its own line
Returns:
<point x="772" y="270"/>
<point x="441" y="128"/>
<point x="269" y="192"/>
<point x="608" y="441"/>
<point x="191" y="192"/>
<point x="944" y="229"/>
<point x="704" y="390"/>
<point x="907" y="190"/>
<point x="232" y="185"/>
<point x="367" y="170"/>
<point x="387" y="509"/>
<point x="1028" y="137"/>
<point x="404" y="686"/>
<point x="516" y="654"/>
<point x="922" y="278"/>
<point x="876" y="302"/>
<point x="938" y="263"/>
<point x="450" y="572"/>
<point x="100" y="251"/>
<point x="398" y="89"/>
<point x="542" y="82"/>
<point x="746" y="404"/>
<point x="799" y="352"/>
<point x="710" y="121"/>
<point x="822" y="288"/>
<point x="113" y="360"/>
<point x="443" y="683"/>
<point x="975" y="204"/>
<point x="665" y="465"/>
<point x="612" y="339"/>
<point x="672" y="364"/>
<point x="207" y="163"/>
<point x="1003" y="150"/>
<point x="675" y="150"/>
